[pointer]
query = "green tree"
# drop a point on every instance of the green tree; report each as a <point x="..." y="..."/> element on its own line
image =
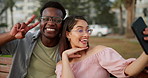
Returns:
<point x="118" y="4"/>
<point x="8" y="4"/>
<point x="103" y="12"/>
<point x="83" y="7"/>
<point x="130" y="7"/>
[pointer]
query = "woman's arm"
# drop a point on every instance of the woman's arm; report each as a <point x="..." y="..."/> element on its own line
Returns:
<point x="137" y="66"/>
<point x="66" y="69"/>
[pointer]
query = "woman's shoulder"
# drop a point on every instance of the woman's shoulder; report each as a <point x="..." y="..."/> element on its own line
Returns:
<point x="60" y="62"/>
<point x="99" y="48"/>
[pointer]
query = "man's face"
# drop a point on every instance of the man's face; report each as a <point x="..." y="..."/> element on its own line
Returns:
<point x="51" y="20"/>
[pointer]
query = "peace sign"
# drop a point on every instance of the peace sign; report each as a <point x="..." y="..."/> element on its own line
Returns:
<point x="20" y="29"/>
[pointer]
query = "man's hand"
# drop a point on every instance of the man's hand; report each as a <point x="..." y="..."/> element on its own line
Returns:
<point x="145" y="32"/>
<point x="19" y="30"/>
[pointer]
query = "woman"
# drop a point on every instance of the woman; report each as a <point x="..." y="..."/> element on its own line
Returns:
<point x="79" y="60"/>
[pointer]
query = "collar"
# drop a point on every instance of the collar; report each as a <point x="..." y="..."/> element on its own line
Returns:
<point x="36" y="35"/>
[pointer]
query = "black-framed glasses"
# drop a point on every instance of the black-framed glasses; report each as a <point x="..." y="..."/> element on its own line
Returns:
<point x="57" y="20"/>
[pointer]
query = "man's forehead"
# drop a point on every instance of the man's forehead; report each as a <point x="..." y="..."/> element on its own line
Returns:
<point x="52" y="12"/>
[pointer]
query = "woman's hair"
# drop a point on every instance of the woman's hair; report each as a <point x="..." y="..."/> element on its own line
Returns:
<point x="53" y="4"/>
<point x="68" y="25"/>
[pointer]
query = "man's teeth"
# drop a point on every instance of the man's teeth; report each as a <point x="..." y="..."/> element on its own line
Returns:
<point x="48" y="29"/>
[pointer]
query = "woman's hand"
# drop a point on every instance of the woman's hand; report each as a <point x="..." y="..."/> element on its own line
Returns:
<point x="20" y="29"/>
<point x="66" y="68"/>
<point x="145" y="32"/>
<point x="72" y="53"/>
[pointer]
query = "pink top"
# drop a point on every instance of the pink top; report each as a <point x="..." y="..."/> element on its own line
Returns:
<point x="99" y="65"/>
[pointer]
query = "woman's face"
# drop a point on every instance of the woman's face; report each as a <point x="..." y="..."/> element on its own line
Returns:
<point x="79" y="35"/>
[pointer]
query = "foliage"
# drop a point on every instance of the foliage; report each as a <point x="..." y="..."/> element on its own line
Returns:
<point x="102" y="14"/>
<point x="103" y="11"/>
<point x="3" y="25"/>
<point x="8" y="4"/>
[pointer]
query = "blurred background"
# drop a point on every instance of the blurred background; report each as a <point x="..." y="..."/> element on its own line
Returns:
<point x="110" y="19"/>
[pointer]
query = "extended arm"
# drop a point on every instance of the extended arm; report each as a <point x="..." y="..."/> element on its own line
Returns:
<point x="137" y="66"/>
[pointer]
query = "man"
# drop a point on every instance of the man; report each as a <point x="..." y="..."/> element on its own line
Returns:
<point x="35" y="54"/>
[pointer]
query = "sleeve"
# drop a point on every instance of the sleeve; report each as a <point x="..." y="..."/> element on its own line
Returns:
<point x="8" y="48"/>
<point x="58" y="71"/>
<point x="113" y="62"/>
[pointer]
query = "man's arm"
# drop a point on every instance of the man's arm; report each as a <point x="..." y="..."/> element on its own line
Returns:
<point x="18" y="31"/>
<point x="5" y="37"/>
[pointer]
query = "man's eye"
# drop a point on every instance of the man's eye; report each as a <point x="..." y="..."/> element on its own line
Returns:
<point x="57" y="20"/>
<point x="45" y="19"/>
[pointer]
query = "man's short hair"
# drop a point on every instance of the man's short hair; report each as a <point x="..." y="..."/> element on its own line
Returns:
<point x="53" y="4"/>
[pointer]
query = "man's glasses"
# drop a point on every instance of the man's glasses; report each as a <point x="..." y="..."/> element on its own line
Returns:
<point x="81" y="31"/>
<point x="57" y="20"/>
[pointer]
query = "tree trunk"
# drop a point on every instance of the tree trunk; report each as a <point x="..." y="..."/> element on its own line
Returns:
<point x="11" y="18"/>
<point x="121" y="28"/>
<point x="130" y="17"/>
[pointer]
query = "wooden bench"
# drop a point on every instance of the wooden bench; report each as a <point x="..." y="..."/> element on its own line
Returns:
<point x="5" y="64"/>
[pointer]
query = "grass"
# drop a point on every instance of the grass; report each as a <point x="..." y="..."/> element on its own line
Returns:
<point x="127" y="48"/>
<point x="5" y="56"/>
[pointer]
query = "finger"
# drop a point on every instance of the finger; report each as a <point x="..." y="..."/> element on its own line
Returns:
<point x="18" y="25"/>
<point x="79" y="49"/>
<point x="23" y="25"/>
<point x="32" y="26"/>
<point x="75" y="50"/>
<point x="74" y="56"/>
<point x="146" y="28"/>
<point x="145" y="38"/>
<point x="145" y="32"/>
<point x="30" y="20"/>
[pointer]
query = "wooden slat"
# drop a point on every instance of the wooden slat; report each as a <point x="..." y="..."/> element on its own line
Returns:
<point x="6" y="60"/>
<point x="4" y="68"/>
<point x="5" y="64"/>
<point x="3" y="75"/>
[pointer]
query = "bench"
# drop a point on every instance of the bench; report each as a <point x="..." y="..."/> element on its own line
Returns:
<point x="5" y="64"/>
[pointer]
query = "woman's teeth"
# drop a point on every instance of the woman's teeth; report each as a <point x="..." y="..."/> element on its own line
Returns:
<point x="84" y="40"/>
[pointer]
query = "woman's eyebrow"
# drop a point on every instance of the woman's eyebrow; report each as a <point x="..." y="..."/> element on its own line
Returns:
<point x="81" y="26"/>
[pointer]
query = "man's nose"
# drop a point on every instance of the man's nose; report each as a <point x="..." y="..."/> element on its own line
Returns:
<point x="50" y="21"/>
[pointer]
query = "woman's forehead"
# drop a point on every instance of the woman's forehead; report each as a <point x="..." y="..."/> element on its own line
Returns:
<point x="81" y="24"/>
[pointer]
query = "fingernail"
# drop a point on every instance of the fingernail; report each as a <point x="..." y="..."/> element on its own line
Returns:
<point x="144" y="32"/>
<point x="145" y="38"/>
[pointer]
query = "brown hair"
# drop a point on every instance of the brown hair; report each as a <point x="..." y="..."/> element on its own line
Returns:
<point x="68" y="25"/>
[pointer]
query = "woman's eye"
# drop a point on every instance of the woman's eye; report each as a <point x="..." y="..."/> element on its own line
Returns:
<point x="80" y="31"/>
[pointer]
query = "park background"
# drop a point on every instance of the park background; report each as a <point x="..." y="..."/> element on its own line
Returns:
<point x="117" y="15"/>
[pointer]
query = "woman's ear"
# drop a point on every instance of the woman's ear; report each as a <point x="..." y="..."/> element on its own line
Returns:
<point x="67" y="34"/>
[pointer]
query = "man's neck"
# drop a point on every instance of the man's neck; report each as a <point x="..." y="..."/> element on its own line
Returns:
<point x="49" y="42"/>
